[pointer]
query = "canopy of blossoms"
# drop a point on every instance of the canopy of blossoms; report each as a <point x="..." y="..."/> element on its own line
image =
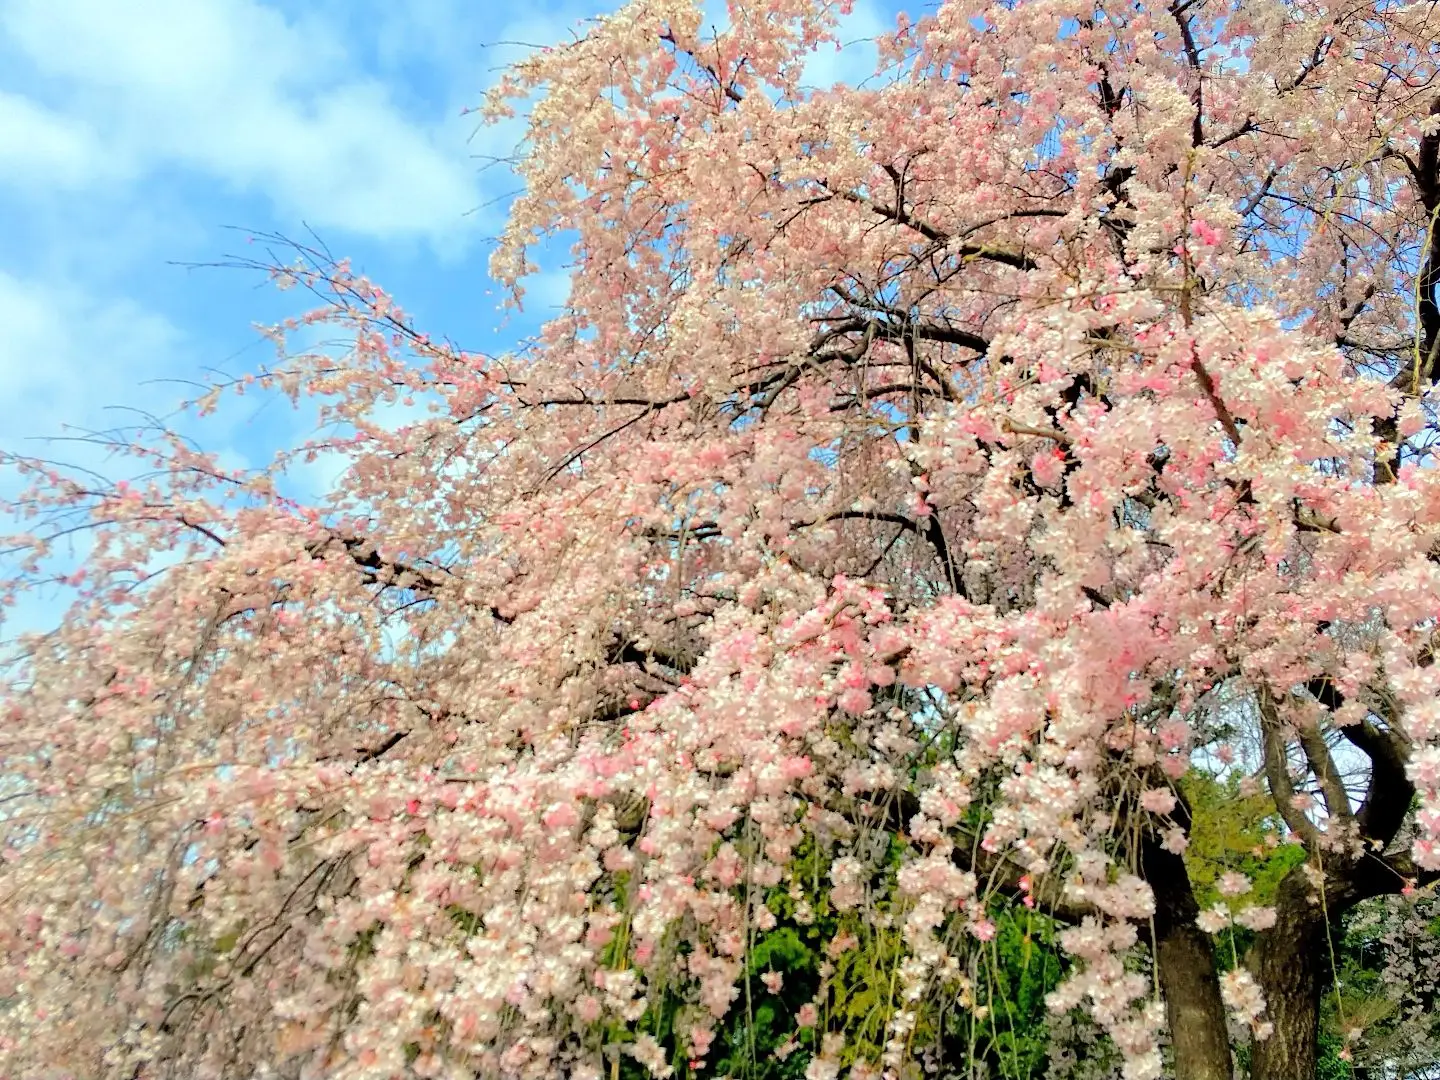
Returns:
<point x="918" y="478"/>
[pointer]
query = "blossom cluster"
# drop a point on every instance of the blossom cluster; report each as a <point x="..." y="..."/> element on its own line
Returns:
<point x="910" y="472"/>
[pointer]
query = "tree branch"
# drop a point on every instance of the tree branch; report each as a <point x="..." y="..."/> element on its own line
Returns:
<point x="1322" y="764"/>
<point x="1277" y="769"/>
<point x="937" y="236"/>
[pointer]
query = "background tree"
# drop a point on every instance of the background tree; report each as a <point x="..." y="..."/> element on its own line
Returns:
<point x="919" y="479"/>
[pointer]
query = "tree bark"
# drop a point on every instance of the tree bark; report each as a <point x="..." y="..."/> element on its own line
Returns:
<point x="1185" y="962"/>
<point x="1289" y="963"/>
<point x="1193" y="1006"/>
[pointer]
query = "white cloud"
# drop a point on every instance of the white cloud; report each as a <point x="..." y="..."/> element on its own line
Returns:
<point x="233" y="91"/>
<point x="66" y="356"/>
<point x="39" y="146"/>
<point x="72" y="362"/>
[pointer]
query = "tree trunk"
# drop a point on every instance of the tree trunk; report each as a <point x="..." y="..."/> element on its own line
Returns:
<point x="1193" y="1006"/>
<point x="1289" y="962"/>
<point x="1185" y="963"/>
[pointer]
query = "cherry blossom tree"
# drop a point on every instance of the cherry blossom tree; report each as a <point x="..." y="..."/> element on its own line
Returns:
<point x="923" y="483"/>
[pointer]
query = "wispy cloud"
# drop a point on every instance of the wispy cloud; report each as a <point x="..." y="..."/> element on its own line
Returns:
<point x="66" y="356"/>
<point x="40" y="147"/>
<point x="234" y="92"/>
<point x="130" y="132"/>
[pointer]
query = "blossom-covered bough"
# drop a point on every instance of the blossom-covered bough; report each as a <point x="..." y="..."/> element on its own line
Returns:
<point x="918" y="482"/>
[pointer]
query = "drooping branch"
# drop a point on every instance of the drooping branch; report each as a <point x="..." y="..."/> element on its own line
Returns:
<point x="726" y="86"/>
<point x="363" y="553"/>
<point x="915" y="329"/>
<point x="930" y="529"/>
<point x="937" y="236"/>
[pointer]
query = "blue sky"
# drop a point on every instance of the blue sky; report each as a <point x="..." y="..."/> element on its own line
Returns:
<point x="141" y="137"/>
<point x="133" y="136"/>
<point x="136" y="136"/>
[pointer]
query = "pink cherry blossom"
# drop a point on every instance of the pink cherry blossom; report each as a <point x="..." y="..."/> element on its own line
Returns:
<point x="1232" y="884"/>
<point x="921" y="485"/>
<point x="1158" y="800"/>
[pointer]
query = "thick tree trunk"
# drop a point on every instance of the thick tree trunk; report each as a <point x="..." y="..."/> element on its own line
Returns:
<point x="1193" y="1006"/>
<point x="1185" y="963"/>
<point x="1289" y="963"/>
